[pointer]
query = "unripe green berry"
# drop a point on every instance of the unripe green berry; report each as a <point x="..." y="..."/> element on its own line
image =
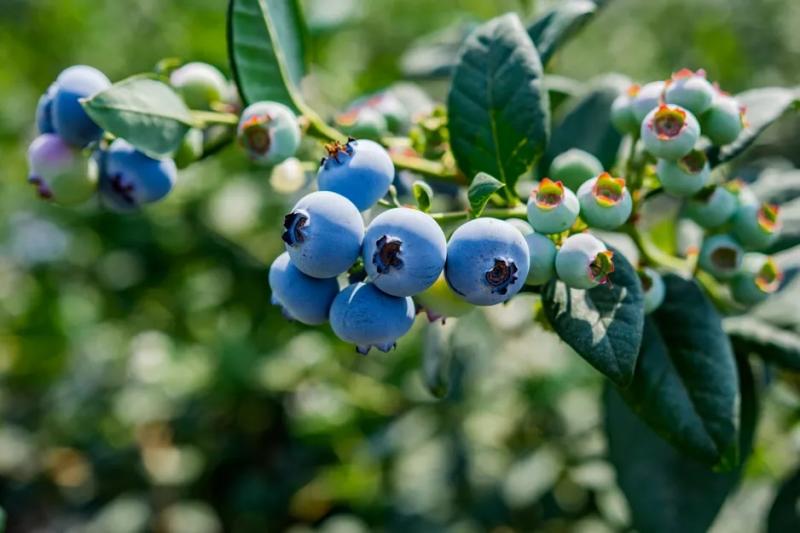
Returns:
<point x="756" y="226"/>
<point x="622" y="116"/>
<point x="521" y="225"/>
<point x="724" y="120"/>
<point x="653" y="287"/>
<point x="574" y="167"/>
<point x="363" y="123"/>
<point x="721" y="256"/>
<point x="552" y="208"/>
<point x="543" y="259"/>
<point x="440" y="301"/>
<point x="670" y="132"/>
<point x="686" y="176"/>
<point x="647" y="98"/>
<point x="191" y="148"/>
<point x="605" y="202"/>
<point x="690" y="90"/>
<point x="584" y="262"/>
<point x="759" y="278"/>
<point x="200" y="84"/>
<point x="712" y="207"/>
<point x="269" y="132"/>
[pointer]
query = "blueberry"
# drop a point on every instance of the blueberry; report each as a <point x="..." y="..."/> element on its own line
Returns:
<point x="69" y="118"/>
<point x="323" y="234"/>
<point x="552" y="208"/>
<point x="605" y="202"/>
<point x="670" y="132"/>
<point x="646" y="99"/>
<point x="361" y="171"/>
<point x="191" y="148"/>
<point x="758" y="278"/>
<point x="200" y="85"/>
<point x="521" y="225"/>
<point x="269" y="132"/>
<point x="369" y="318"/>
<point x="574" y="167"/>
<point x="363" y="122"/>
<point x="756" y="226"/>
<point x="44" y="111"/>
<point x="404" y="251"/>
<point x="129" y="178"/>
<point x="584" y="262"/>
<point x="653" y="287"/>
<point x="712" y="207"/>
<point x="302" y="298"/>
<point x="59" y="171"/>
<point x="686" y="176"/>
<point x="724" y="120"/>
<point x="690" y="90"/>
<point x="721" y="256"/>
<point x="440" y="302"/>
<point x="622" y="116"/>
<point x="487" y="261"/>
<point x="542" y="259"/>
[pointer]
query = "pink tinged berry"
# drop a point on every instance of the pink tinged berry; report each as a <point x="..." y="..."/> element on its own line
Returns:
<point x="584" y="262"/>
<point x="670" y="132"/>
<point x="690" y="90"/>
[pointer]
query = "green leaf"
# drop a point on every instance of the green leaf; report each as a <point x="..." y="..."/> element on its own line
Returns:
<point x="586" y="124"/>
<point x="667" y="491"/>
<point x="266" y="49"/>
<point x="780" y="309"/>
<point x="498" y="110"/>
<point x="437" y="355"/>
<point x="775" y="345"/>
<point x="764" y="106"/>
<point x="785" y="513"/>
<point x="685" y="385"/>
<point x="423" y="194"/>
<point x="560" y="89"/>
<point x="604" y="325"/>
<point x="145" y="112"/>
<point x="550" y="31"/>
<point x="482" y="188"/>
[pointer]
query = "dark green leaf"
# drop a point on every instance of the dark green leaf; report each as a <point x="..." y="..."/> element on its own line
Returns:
<point x="498" y="111"/>
<point x="586" y="124"/>
<point x="550" y="31"/>
<point x="785" y="512"/>
<point x="145" y="112"/>
<point x="480" y="190"/>
<point x="776" y="345"/>
<point x="604" y="324"/>
<point x="667" y="491"/>
<point x="423" y="194"/>
<point x="437" y="355"/>
<point x="560" y="89"/>
<point x="266" y="50"/>
<point x="764" y="106"/>
<point x="685" y="384"/>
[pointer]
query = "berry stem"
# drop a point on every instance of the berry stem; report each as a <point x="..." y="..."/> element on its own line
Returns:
<point x="651" y="254"/>
<point x="426" y="167"/>
<point x="501" y="213"/>
<point x="206" y="118"/>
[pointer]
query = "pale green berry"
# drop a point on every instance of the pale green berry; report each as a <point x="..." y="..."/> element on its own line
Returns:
<point x="759" y="277"/>
<point x="670" y="132"/>
<point x="543" y="259"/>
<point x="724" y="120"/>
<point x="584" y="262"/>
<point x="552" y="208"/>
<point x="605" y="201"/>
<point x="649" y="96"/>
<point x="200" y="84"/>
<point x="690" y="90"/>
<point x="712" y="207"/>
<point x="574" y="167"/>
<point x="756" y="226"/>
<point x="653" y="287"/>
<point x="622" y="116"/>
<point x="191" y="148"/>
<point x="686" y="176"/>
<point x="721" y="256"/>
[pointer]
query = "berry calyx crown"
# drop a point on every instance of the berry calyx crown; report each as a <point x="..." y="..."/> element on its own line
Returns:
<point x="768" y="217"/>
<point x="668" y="121"/>
<point x="549" y="194"/>
<point x="694" y="162"/>
<point x="255" y="133"/>
<point x="608" y="191"/>
<point x="769" y="276"/>
<point x="602" y="266"/>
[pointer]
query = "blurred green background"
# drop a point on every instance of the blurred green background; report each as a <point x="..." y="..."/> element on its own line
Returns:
<point x="146" y="384"/>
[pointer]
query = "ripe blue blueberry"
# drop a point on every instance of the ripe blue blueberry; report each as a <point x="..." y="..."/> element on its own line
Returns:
<point x="269" y="132"/>
<point x="404" y="251"/>
<point x="542" y="259"/>
<point x="690" y="90"/>
<point x="59" y="171"/>
<point x="758" y="278"/>
<point x="584" y="262"/>
<point x="756" y="226"/>
<point x="323" y="234"/>
<point x="724" y="120"/>
<point x="622" y="116"/>
<point x="129" y="178"/>
<point x="712" y="207"/>
<point x="670" y="132"/>
<point x="574" y="167"/>
<point x="199" y="84"/>
<point x="721" y="256"/>
<point x="69" y="118"/>
<point x="487" y="261"/>
<point x="44" y="111"/>
<point x="686" y="176"/>
<point x="440" y="302"/>
<point x="369" y="318"/>
<point x="361" y="171"/>
<point x="302" y="298"/>
<point x="552" y="208"/>
<point x="653" y="287"/>
<point x="605" y="202"/>
<point x="647" y="98"/>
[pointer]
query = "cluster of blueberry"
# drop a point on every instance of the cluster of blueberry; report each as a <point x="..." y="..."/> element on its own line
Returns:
<point x="676" y="119"/>
<point x="70" y="160"/>
<point x="403" y="252"/>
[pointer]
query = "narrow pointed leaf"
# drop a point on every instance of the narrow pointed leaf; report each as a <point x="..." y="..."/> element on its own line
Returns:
<point x="773" y="344"/>
<point x="554" y="28"/>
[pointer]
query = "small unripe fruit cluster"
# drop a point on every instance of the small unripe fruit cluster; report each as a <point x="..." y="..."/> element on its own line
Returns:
<point x="405" y="261"/>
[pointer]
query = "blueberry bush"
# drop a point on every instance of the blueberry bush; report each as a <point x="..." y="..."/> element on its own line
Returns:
<point x="630" y="222"/>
